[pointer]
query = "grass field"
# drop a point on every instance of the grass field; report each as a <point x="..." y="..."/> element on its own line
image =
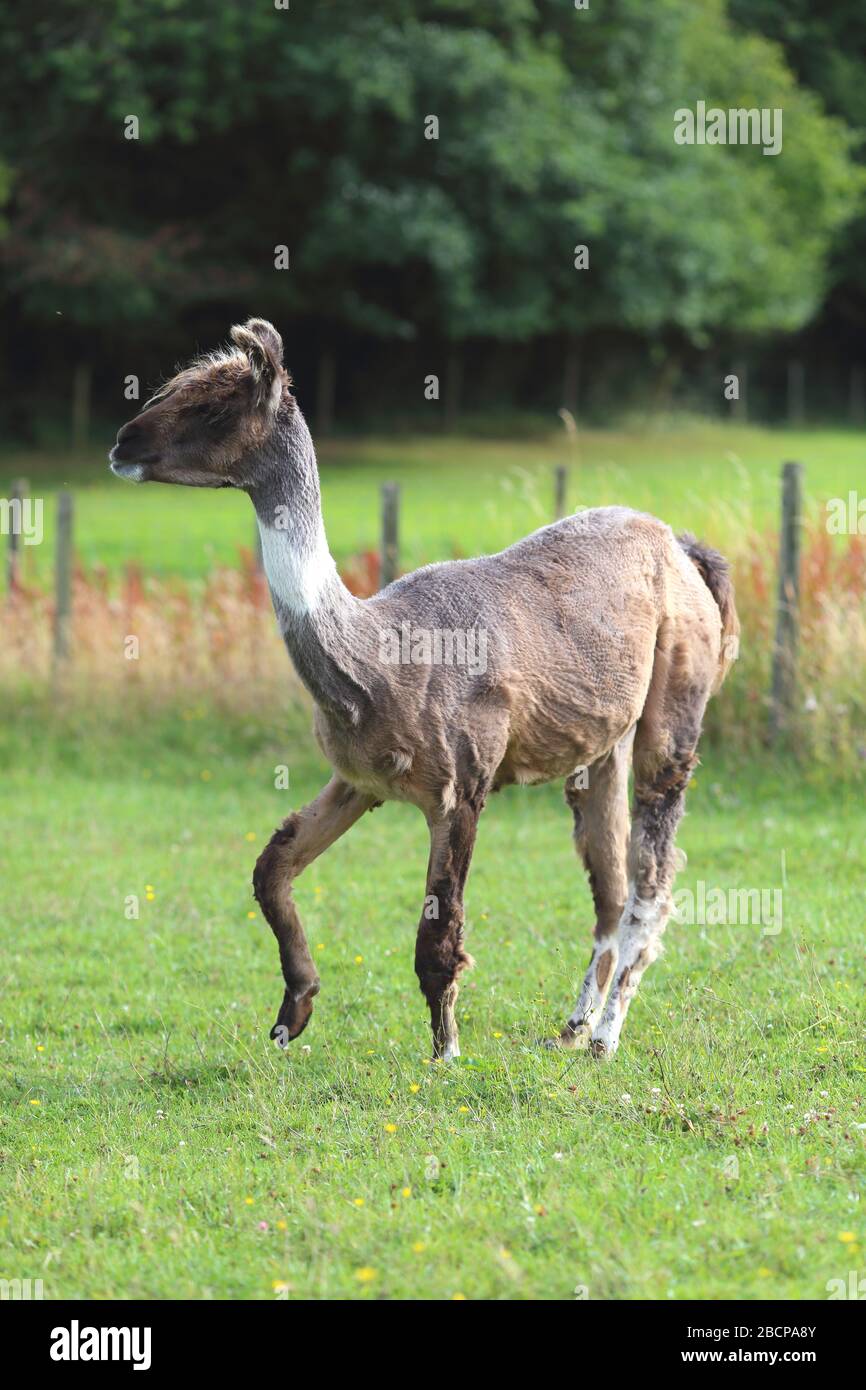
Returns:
<point x="459" y="497"/>
<point x="155" y="1144"/>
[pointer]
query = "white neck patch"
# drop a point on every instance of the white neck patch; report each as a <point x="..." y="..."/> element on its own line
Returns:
<point x="298" y="569"/>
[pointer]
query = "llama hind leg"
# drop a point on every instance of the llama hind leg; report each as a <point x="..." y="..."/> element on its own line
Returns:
<point x="440" y="956"/>
<point x="598" y="797"/>
<point x="300" y="839"/>
<point x="659" y="802"/>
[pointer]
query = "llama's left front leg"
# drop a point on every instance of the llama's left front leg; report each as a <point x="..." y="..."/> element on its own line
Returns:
<point x="300" y="839"/>
<point x="658" y="809"/>
<point x="440" y="956"/>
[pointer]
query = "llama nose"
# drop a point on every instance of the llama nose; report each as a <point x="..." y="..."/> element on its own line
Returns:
<point x="130" y="454"/>
<point x="131" y="444"/>
<point x="128" y="433"/>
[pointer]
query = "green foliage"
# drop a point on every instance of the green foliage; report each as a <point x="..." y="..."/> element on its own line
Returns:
<point x="825" y="47"/>
<point x="260" y="127"/>
<point x="722" y="236"/>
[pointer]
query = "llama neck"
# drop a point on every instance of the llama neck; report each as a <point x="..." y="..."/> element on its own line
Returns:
<point x="317" y="615"/>
<point x="301" y="571"/>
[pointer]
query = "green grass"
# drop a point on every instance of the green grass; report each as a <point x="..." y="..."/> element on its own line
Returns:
<point x="148" y="1126"/>
<point x="459" y="496"/>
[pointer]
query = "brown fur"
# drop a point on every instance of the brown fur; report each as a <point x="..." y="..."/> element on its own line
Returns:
<point x="603" y="969"/>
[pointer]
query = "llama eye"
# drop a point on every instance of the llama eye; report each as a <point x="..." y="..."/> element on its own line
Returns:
<point x="203" y="416"/>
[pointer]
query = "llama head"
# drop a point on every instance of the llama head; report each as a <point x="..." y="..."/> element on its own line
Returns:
<point x="205" y="426"/>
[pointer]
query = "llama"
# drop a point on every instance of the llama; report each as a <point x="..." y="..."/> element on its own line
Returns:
<point x="603" y="638"/>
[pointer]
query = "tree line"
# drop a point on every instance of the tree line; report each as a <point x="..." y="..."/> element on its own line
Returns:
<point x="416" y="187"/>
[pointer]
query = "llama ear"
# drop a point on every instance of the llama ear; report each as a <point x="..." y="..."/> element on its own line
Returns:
<point x="267" y="336"/>
<point x="263" y="346"/>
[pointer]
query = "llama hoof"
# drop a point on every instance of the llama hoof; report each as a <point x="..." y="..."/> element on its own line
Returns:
<point x="295" y="1013"/>
<point x="570" y="1039"/>
<point x="601" y="1050"/>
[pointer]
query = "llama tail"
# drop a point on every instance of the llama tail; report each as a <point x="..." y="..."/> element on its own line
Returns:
<point x="716" y="574"/>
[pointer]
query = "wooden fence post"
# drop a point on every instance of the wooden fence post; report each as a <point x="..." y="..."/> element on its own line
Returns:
<point x="17" y="495"/>
<point x="784" y="679"/>
<point x="561" y="480"/>
<point x="63" y="581"/>
<point x="390" y="510"/>
<point x="560" y="504"/>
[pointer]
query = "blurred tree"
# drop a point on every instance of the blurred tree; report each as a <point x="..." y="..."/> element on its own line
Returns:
<point x="825" y="48"/>
<point x="706" y="239"/>
<point x="430" y="165"/>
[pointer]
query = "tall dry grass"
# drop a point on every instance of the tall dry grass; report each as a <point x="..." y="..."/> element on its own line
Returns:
<point x="214" y="643"/>
<point x="828" y="722"/>
<point x="167" y="644"/>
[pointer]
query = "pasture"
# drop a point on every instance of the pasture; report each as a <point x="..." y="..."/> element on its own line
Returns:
<point x="155" y="1144"/>
<point x="459" y="497"/>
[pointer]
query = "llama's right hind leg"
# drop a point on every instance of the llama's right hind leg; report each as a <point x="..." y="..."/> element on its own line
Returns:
<point x="664" y="759"/>
<point x="300" y="839"/>
<point x="598" y="797"/>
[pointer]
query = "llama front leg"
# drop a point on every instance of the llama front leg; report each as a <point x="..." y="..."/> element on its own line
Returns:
<point x="659" y="805"/>
<point x="439" y="953"/>
<point x="300" y="839"/>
